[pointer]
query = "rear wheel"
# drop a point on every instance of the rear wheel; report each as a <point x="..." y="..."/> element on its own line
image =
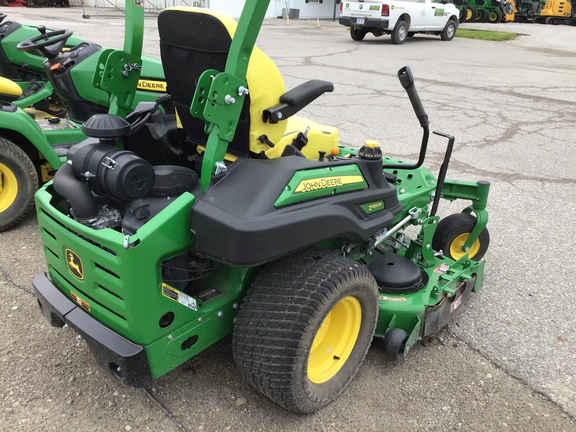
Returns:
<point x="18" y="182"/>
<point x="471" y="13"/>
<point x="495" y="16"/>
<point x="453" y="231"/>
<point x="400" y="33"/>
<point x="305" y="327"/>
<point x="483" y="16"/>
<point x="449" y="31"/>
<point x="463" y="13"/>
<point x="357" y="34"/>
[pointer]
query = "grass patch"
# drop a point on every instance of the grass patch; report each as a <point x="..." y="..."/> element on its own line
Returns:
<point x="485" y="34"/>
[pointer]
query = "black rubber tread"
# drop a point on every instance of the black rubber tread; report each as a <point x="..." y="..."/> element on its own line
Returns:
<point x="394" y="343"/>
<point x="495" y="16"/>
<point x="444" y="35"/>
<point x="473" y="14"/>
<point x="484" y="16"/>
<point x="20" y="164"/>
<point x="396" y="36"/>
<point x="281" y="315"/>
<point x="463" y="13"/>
<point x="357" y="34"/>
<point x="451" y="227"/>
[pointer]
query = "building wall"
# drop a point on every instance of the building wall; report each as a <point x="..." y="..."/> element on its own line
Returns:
<point x="311" y="10"/>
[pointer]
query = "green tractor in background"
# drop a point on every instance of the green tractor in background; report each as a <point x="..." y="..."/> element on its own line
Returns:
<point x="493" y="11"/>
<point x="161" y="241"/>
<point x="23" y="80"/>
<point x="52" y="82"/>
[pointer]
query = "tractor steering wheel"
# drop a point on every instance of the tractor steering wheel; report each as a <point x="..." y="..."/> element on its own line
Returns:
<point x="48" y="43"/>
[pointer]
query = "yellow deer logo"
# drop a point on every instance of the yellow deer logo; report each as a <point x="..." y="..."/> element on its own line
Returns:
<point x="74" y="264"/>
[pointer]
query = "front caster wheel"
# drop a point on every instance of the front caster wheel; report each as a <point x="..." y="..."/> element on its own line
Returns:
<point x="305" y="327"/>
<point x="453" y="231"/>
<point x="395" y="343"/>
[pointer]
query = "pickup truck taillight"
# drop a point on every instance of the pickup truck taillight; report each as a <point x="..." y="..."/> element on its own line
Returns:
<point x="385" y="10"/>
<point x="340" y="8"/>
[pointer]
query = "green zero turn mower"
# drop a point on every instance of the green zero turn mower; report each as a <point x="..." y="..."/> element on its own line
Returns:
<point x="160" y="244"/>
<point x="77" y="79"/>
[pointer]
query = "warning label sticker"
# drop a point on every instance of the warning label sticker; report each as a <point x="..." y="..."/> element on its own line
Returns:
<point x="442" y="268"/>
<point x="180" y="297"/>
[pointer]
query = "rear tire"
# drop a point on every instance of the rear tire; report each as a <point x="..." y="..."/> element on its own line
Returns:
<point x="305" y="327"/>
<point x="471" y="14"/>
<point x="453" y="231"/>
<point x="357" y="34"/>
<point x="463" y="13"/>
<point x="400" y="33"/>
<point x="449" y="31"/>
<point x="484" y="16"/>
<point x="495" y="16"/>
<point x="18" y="183"/>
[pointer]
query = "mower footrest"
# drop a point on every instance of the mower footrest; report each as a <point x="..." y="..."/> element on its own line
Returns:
<point x="123" y="359"/>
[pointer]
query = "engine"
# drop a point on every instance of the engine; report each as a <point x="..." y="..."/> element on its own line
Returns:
<point x="107" y="187"/>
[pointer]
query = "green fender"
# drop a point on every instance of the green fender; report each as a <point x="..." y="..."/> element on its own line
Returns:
<point x="22" y="123"/>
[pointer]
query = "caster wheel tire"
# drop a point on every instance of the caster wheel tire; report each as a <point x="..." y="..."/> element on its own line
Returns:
<point x="395" y="343"/>
<point x="18" y="183"/>
<point x="305" y="327"/>
<point x="453" y="231"/>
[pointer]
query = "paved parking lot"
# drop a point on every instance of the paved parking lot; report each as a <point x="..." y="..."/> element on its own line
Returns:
<point x="507" y="363"/>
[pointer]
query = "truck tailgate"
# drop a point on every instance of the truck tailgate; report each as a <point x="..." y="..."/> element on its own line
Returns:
<point x="367" y="9"/>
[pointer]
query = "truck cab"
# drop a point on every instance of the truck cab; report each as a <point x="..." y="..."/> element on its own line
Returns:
<point x="399" y="18"/>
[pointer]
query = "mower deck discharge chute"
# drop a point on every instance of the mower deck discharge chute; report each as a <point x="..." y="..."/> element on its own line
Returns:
<point x="161" y="241"/>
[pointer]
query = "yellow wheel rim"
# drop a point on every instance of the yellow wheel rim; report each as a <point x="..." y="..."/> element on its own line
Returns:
<point x="8" y="187"/>
<point x="468" y="15"/>
<point x="456" y="247"/>
<point x="335" y="340"/>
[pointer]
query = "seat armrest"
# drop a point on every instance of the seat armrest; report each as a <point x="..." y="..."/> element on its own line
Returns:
<point x="294" y="100"/>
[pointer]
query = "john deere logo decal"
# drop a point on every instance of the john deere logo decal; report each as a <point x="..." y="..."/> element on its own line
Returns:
<point x="74" y="264"/>
<point x="327" y="182"/>
<point x="156" y="86"/>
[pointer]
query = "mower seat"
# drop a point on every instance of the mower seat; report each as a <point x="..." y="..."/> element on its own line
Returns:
<point x="9" y="89"/>
<point x="193" y="40"/>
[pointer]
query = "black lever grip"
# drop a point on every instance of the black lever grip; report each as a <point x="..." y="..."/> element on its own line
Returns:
<point x="407" y="80"/>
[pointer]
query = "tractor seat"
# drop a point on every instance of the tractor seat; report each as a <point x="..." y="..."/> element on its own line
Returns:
<point x="9" y="89"/>
<point x="193" y="40"/>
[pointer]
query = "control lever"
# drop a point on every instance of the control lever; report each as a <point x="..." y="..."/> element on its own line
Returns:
<point x="407" y="80"/>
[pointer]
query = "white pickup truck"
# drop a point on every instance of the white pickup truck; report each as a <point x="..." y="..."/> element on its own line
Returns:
<point x="399" y="18"/>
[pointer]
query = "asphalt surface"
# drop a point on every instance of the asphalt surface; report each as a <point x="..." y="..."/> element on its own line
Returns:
<point x="507" y="362"/>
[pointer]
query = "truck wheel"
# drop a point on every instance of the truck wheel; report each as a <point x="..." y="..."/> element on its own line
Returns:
<point x="357" y="34"/>
<point x="305" y="327"/>
<point x="18" y="182"/>
<point x="495" y="16"/>
<point x="463" y="13"/>
<point x="453" y="231"/>
<point x="400" y="33"/>
<point x="449" y="31"/>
